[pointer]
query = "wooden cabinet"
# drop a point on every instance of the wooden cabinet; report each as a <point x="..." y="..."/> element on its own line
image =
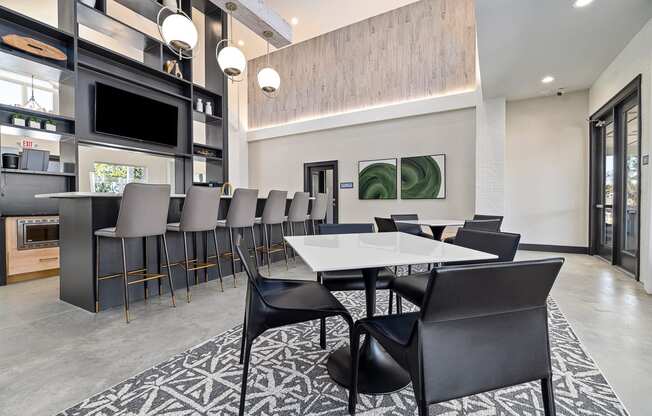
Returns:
<point x="27" y="264"/>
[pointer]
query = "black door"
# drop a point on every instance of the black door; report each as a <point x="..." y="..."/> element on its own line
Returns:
<point x="604" y="207"/>
<point x="321" y="177"/>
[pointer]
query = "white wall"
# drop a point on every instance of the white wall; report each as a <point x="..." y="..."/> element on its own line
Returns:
<point x="238" y="148"/>
<point x="490" y="157"/>
<point x="546" y="169"/>
<point x="278" y="163"/>
<point x="635" y="59"/>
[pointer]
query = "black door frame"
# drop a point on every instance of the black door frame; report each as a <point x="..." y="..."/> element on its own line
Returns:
<point x="329" y="164"/>
<point x="630" y="91"/>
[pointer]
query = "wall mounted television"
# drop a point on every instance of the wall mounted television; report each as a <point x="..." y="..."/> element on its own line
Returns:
<point x="132" y="116"/>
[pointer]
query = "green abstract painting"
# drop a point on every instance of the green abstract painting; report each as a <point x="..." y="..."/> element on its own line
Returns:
<point x="377" y="179"/>
<point x="423" y="177"/>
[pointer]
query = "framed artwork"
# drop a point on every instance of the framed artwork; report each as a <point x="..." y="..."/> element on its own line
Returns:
<point x="423" y="177"/>
<point x="377" y="179"/>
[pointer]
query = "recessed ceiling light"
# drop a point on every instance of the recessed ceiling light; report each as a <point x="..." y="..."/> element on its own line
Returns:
<point x="582" y="3"/>
<point x="294" y="21"/>
<point x="548" y="79"/>
<point x="241" y="42"/>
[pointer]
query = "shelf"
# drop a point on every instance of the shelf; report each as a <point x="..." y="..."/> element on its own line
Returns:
<point x="205" y="91"/>
<point x="42" y="134"/>
<point x="207" y="146"/>
<point x="146" y="8"/>
<point x="23" y="63"/>
<point x="35" y="25"/>
<point x="205" y="118"/>
<point x="34" y="113"/>
<point x="34" y="172"/>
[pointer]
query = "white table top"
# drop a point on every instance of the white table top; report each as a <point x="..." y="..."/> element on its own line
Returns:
<point x="434" y="223"/>
<point x="116" y="195"/>
<point x="358" y="251"/>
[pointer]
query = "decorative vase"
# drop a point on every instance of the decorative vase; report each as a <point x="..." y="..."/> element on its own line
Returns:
<point x="200" y="105"/>
<point x="209" y="108"/>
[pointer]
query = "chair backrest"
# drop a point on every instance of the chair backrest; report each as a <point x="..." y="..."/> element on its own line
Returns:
<point x="406" y="228"/>
<point x="274" y="211"/>
<point x="143" y="210"/>
<point x="503" y="245"/>
<point x="242" y="209"/>
<point x="489" y="217"/>
<point x="385" y="225"/>
<point x="484" y="327"/>
<point x="200" y="209"/>
<point x="346" y="228"/>
<point x="253" y="275"/>
<point x="319" y="207"/>
<point x="299" y="207"/>
<point x="483" y="225"/>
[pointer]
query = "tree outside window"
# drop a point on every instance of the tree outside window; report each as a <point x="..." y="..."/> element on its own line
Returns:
<point x="108" y="177"/>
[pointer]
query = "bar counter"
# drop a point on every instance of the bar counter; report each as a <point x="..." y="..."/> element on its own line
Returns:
<point x="82" y="213"/>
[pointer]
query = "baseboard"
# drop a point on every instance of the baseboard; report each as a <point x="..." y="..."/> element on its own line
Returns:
<point x="554" y="248"/>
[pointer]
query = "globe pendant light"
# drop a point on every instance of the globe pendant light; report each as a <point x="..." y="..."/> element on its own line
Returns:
<point x="230" y="59"/>
<point x="178" y="31"/>
<point x="268" y="79"/>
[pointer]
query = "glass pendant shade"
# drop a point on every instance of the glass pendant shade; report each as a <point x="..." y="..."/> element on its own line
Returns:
<point x="179" y="32"/>
<point x="269" y="80"/>
<point x="231" y="61"/>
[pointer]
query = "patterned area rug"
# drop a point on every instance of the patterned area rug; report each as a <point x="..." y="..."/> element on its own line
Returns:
<point x="288" y="377"/>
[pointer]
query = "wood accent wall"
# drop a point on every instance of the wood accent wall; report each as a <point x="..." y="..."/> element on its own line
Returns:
<point x="421" y="50"/>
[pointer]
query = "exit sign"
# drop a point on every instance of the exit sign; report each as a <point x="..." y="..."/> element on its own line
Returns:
<point x="27" y="144"/>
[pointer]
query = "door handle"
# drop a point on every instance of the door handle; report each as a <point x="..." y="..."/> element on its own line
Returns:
<point x="599" y="206"/>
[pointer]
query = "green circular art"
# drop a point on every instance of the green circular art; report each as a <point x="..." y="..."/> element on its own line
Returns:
<point x="421" y="178"/>
<point x="378" y="181"/>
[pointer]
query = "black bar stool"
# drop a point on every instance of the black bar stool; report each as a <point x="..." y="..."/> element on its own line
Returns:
<point x="273" y="214"/>
<point x="143" y="213"/>
<point x="199" y="215"/>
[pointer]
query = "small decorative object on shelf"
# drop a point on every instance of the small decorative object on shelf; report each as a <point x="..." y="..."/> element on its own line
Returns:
<point x="172" y="67"/>
<point x="201" y="151"/>
<point x="209" y="108"/>
<point x="34" y="47"/>
<point x="18" y="120"/>
<point x="34" y="123"/>
<point x="49" y="125"/>
<point x="200" y="105"/>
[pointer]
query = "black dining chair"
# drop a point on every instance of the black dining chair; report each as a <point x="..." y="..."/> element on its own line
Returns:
<point x="503" y="245"/>
<point x="272" y="303"/>
<point x="350" y="280"/>
<point x="385" y="225"/>
<point x="403" y="227"/>
<point x="482" y="223"/>
<point x="481" y="328"/>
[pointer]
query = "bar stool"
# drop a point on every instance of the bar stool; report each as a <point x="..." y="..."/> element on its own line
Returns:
<point x="273" y="214"/>
<point x="298" y="212"/>
<point x="318" y="211"/>
<point x="241" y="215"/>
<point x="199" y="215"/>
<point x="143" y="213"/>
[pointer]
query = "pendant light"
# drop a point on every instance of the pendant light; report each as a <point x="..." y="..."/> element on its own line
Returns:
<point x="178" y="31"/>
<point x="230" y="59"/>
<point x="268" y="79"/>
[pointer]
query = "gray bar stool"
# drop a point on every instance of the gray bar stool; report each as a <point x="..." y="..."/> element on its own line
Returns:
<point x="273" y="214"/>
<point x="199" y="215"/>
<point x="143" y="213"/>
<point x="241" y="215"/>
<point x="318" y="211"/>
<point x="298" y="213"/>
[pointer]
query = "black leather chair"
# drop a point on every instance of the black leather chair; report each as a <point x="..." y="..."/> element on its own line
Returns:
<point x="482" y="223"/>
<point x="481" y="217"/>
<point x="348" y="280"/>
<point x="481" y="328"/>
<point x="503" y="245"/>
<point x="385" y="225"/>
<point x="413" y="229"/>
<point x="272" y="303"/>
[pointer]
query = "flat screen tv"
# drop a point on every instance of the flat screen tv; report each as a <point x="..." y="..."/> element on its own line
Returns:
<point x="125" y="114"/>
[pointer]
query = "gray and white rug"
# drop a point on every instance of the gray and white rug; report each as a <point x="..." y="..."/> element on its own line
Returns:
<point x="288" y="377"/>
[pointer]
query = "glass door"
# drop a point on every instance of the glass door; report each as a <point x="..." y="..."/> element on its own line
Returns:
<point x="629" y="237"/>
<point x="605" y="206"/>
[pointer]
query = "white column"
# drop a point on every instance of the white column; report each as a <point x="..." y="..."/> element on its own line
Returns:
<point x="490" y="156"/>
<point x="238" y="147"/>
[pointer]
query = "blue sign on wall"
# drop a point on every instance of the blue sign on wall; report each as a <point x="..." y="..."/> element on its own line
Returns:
<point x="346" y="185"/>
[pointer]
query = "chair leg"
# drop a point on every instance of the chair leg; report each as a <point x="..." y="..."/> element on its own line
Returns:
<point x="399" y="304"/>
<point x="305" y="228"/>
<point x="194" y="256"/>
<point x="267" y="245"/>
<point x="145" y="264"/>
<point x="391" y="301"/>
<point x="185" y="266"/>
<point x="285" y="248"/>
<point x="355" y="358"/>
<point x="169" y="269"/>
<point x="547" y="390"/>
<point x="409" y="269"/>
<point x="158" y="265"/>
<point x="253" y="241"/>
<point x="232" y="254"/>
<point x="124" y="279"/>
<point x="97" y="274"/>
<point x="217" y="260"/>
<point x="294" y="255"/>
<point x="243" y="340"/>
<point x="322" y="333"/>
<point x="245" y="372"/>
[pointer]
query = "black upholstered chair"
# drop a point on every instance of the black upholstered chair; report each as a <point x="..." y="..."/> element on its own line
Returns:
<point x="273" y="303"/>
<point x="385" y="225"/>
<point x="481" y="217"/>
<point x="481" y="328"/>
<point x="413" y="229"/>
<point x="349" y="280"/>
<point x="482" y="223"/>
<point x="503" y="245"/>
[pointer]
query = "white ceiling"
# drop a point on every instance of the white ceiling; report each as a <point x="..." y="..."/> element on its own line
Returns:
<point x="521" y="41"/>
<point x="315" y="17"/>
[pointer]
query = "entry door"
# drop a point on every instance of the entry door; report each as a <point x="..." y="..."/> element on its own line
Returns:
<point x="605" y="206"/>
<point x="631" y="167"/>
<point x="321" y="177"/>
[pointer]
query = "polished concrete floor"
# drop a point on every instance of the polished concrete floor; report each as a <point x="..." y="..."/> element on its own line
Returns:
<point x="53" y="355"/>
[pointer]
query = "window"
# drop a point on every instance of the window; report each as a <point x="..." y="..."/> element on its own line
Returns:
<point x="108" y="177"/>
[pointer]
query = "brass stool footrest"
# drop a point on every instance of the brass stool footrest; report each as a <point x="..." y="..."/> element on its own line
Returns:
<point x="148" y="276"/>
<point x="113" y="276"/>
<point x="200" y="266"/>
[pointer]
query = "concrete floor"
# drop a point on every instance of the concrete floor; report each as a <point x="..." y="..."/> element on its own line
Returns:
<point x="53" y="355"/>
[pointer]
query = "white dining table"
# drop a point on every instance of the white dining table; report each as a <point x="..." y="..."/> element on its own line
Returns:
<point x="378" y="372"/>
<point x="437" y="226"/>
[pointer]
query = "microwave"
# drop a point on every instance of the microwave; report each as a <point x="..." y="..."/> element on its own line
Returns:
<point x="38" y="232"/>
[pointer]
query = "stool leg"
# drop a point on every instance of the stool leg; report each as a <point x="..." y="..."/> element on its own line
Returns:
<point x="314" y="228"/>
<point x="267" y="246"/>
<point x="305" y="228"/>
<point x="194" y="256"/>
<point x="167" y="263"/>
<point x="97" y="274"/>
<point x="253" y="241"/>
<point x="217" y="260"/>
<point x="158" y="265"/>
<point x="145" y="286"/>
<point x="294" y="255"/>
<point x="285" y="247"/>
<point x="205" y="248"/>
<point x="185" y="266"/>
<point x="232" y="254"/>
<point x="124" y="279"/>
